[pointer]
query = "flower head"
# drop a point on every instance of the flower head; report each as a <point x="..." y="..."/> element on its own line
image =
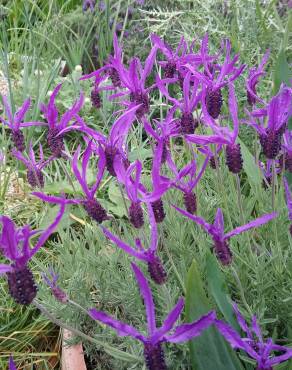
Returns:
<point x="88" y="4"/>
<point x="35" y="176"/>
<point x="51" y="280"/>
<point x="216" y="231"/>
<point x="187" y="179"/>
<point x="253" y="343"/>
<point x="15" y="246"/>
<point x="254" y="75"/>
<point x="94" y="209"/>
<point x="149" y="255"/>
<point x="15" y="122"/>
<point x="152" y="342"/>
<point x="277" y="114"/>
<point x="11" y="364"/>
<point x="216" y="77"/>
<point x="190" y="99"/>
<point x="56" y="124"/>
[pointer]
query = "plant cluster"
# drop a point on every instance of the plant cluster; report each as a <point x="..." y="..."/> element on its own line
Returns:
<point x="192" y="86"/>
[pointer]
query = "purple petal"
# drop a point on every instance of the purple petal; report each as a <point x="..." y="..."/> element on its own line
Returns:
<point x="232" y="103"/>
<point x="49" y="230"/>
<point x="255" y="223"/>
<point x="197" y="219"/>
<point x="20" y="157"/>
<point x="11" y="364"/>
<point x="72" y="112"/>
<point x="186" y="332"/>
<point x="234" y="339"/>
<point x="77" y="173"/>
<point x="19" y="115"/>
<point x="121" y="328"/>
<point x="8" y="111"/>
<point x="170" y="320"/>
<point x="219" y="221"/>
<point x="125" y="247"/>
<point x="5" y="268"/>
<point x="53" y="199"/>
<point x="256" y="329"/>
<point x="8" y="241"/>
<point x="121" y="127"/>
<point x="147" y="297"/>
<point x="203" y="140"/>
<point x="148" y="64"/>
<point x="281" y="358"/>
<point x="51" y="110"/>
<point x="242" y="323"/>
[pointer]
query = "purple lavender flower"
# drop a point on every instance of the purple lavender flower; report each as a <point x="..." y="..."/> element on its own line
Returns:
<point x="113" y="146"/>
<point x="149" y="256"/>
<point x="153" y="351"/>
<point x="133" y="81"/>
<point x="55" y="124"/>
<point x="15" y="246"/>
<point x="288" y="201"/>
<point x="51" y="280"/>
<point x="187" y="186"/>
<point x="223" y="135"/>
<point x="216" y="231"/>
<point x="277" y="112"/>
<point x="94" y="209"/>
<point x="253" y="343"/>
<point x="113" y="68"/>
<point x="11" y="364"/>
<point x="88" y="4"/>
<point x="35" y="176"/>
<point x="14" y="122"/>
<point x="253" y="79"/>
<point x="216" y="78"/>
<point x="267" y="171"/>
<point x="174" y="66"/>
<point x="163" y="131"/>
<point x="191" y="98"/>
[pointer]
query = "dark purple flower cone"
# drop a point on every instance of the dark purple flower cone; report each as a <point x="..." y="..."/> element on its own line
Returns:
<point x="110" y="153"/>
<point x="190" y="201"/>
<point x="290" y="229"/>
<point x="59" y="294"/>
<point x="56" y="143"/>
<point x="18" y="140"/>
<point x="156" y="270"/>
<point x="214" y="102"/>
<point x="95" y="98"/>
<point x="35" y="178"/>
<point x="233" y="158"/>
<point x="169" y="70"/>
<point x="22" y="287"/>
<point x="213" y="163"/>
<point x="158" y="210"/>
<point x="271" y="143"/>
<point x="154" y="356"/>
<point x="223" y="252"/>
<point x="187" y="124"/>
<point x="95" y="210"/>
<point x="136" y="215"/>
<point x="288" y="163"/>
<point x="114" y="76"/>
<point x="250" y="99"/>
<point x="140" y="98"/>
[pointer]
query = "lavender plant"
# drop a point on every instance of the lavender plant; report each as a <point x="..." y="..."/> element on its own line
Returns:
<point x="201" y="76"/>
